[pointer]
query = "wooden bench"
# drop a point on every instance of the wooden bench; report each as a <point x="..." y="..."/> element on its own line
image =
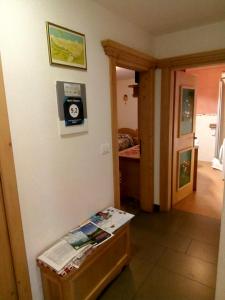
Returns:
<point x="99" y="268"/>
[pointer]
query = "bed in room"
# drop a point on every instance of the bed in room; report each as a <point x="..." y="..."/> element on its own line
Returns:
<point x="129" y="162"/>
<point x="127" y="138"/>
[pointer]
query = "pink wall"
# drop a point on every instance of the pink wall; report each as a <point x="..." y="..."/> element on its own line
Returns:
<point x="207" y="88"/>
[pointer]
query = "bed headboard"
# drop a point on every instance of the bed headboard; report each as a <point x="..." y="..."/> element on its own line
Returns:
<point x="132" y="132"/>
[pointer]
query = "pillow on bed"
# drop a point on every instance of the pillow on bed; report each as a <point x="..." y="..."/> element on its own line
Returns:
<point x="125" y="141"/>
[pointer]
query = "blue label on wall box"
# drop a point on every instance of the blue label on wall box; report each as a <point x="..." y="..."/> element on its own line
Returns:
<point x="73" y="111"/>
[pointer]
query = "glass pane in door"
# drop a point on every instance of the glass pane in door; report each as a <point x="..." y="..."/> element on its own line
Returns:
<point x="184" y="167"/>
<point x="186" y="111"/>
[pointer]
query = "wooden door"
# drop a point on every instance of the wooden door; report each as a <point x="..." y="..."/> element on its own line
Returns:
<point x="10" y="211"/>
<point x="183" y="135"/>
<point x="8" y="288"/>
<point x="146" y="136"/>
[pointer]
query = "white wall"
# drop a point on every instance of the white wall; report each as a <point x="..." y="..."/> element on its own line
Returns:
<point x="194" y="40"/>
<point x="61" y="181"/>
<point x="127" y="112"/>
<point x="206" y="137"/>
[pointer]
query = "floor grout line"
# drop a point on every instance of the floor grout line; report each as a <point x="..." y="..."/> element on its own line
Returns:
<point x="203" y="260"/>
<point x="161" y="231"/>
<point x="150" y="271"/>
<point x="182" y="275"/>
<point x="188" y="247"/>
<point x="143" y="281"/>
<point x="203" y="242"/>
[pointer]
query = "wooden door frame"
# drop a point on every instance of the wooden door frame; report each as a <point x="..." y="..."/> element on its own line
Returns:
<point x="123" y="56"/>
<point x="169" y="66"/>
<point x="11" y="201"/>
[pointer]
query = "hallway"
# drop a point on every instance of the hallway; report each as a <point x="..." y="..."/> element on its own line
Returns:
<point x="174" y="258"/>
<point x="208" y="199"/>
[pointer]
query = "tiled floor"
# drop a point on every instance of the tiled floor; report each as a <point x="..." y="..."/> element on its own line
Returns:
<point x="208" y="199"/>
<point x="174" y="258"/>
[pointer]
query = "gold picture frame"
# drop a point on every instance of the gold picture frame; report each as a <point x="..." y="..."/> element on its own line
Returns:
<point x="66" y="47"/>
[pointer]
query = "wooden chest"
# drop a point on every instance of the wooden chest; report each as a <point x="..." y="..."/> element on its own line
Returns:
<point x="99" y="268"/>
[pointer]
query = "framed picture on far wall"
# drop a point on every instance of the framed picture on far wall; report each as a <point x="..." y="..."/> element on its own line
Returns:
<point x="66" y="47"/>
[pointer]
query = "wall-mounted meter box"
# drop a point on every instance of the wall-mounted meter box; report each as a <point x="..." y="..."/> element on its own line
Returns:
<point x="72" y="107"/>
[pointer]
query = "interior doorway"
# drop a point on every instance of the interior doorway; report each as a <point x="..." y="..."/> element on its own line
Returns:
<point x="207" y="192"/>
<point x="169" y="66"/>
<point x="125" y="57"/>
<point x="128" y="138"/>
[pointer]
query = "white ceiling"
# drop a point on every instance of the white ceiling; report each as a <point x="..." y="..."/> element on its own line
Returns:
<point x="164" y="16"/>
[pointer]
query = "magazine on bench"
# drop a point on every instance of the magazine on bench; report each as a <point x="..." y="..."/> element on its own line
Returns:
<point x="88" y="233"/>
<point x="60" y="254"/>
<point x="72" y="249"/>
<point x="111" y="219"/>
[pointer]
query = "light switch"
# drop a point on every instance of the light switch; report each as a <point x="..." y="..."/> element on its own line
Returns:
<point x="104" y="148"/>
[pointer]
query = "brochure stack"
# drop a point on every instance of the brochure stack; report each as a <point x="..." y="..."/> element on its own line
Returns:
<point x="72" y="249"/>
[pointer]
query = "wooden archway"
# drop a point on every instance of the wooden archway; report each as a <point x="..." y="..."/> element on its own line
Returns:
<point x="122" y="56"/>
<point x="168" y="66"/>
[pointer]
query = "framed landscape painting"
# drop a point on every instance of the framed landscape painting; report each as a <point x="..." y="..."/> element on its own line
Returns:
<point x="66" y="47"/>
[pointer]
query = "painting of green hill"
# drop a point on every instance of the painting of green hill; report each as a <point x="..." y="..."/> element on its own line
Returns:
<point x="66" y="47"/>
